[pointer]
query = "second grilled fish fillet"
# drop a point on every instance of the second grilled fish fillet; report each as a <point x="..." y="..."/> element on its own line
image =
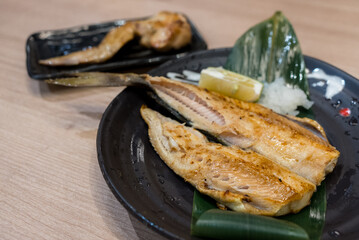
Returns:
<point x="243" y="181"/>
<point x="251" y="126"/>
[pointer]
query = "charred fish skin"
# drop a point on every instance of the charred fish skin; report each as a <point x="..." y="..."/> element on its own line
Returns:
<point x="252" y="126"/>
<point x="241" y="180"/>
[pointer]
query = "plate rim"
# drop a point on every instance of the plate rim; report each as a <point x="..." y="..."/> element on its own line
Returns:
<point x="101" y="161"/>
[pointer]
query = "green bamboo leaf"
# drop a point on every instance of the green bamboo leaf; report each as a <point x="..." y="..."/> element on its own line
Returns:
<point x="270" y="50"/>
<point x="210" y="222"/>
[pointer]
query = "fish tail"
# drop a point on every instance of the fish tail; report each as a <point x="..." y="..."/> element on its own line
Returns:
<point x="99" y="79"/>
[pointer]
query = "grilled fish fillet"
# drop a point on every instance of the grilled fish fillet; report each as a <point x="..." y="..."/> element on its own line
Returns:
<point x="283" y="139"/>
<point x="252" y="126"/>
<point x="243" y="181"/>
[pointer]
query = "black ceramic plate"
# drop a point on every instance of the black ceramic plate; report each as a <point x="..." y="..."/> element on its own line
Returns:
<point x="46" y="44"/>
<point x="163" y="201"/>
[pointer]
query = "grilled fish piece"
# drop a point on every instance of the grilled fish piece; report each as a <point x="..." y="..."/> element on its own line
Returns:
<point x="252" y="126"/>
<point x="162" y="32"/>
<point x="283" y="139"/>
<point x="243" y="181"/>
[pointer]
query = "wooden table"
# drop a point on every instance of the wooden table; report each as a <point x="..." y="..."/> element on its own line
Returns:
<point x="51" y="185"/>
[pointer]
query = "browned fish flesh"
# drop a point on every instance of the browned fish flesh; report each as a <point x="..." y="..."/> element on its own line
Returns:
<point x="252" y="126"/>
<point x="162" y="32"/>
<point x="283" y="139"/>
<point x="243" y="181"/>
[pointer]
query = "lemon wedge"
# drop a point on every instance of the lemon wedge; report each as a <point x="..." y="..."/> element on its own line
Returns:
<point x="230" y="84"/>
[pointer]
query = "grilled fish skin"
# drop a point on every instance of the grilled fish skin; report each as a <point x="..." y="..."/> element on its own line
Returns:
<point x="282" y="139"/>
<point x="243" y="181"/>
<point x="162" y="32"/>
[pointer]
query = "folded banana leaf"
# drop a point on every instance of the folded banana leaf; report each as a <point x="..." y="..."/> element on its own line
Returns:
<point x="266" y="51"/>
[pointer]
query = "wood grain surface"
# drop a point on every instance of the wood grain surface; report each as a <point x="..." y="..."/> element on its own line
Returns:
<point x="50" y="182"/>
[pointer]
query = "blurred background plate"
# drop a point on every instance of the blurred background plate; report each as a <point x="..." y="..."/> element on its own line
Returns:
<point x="46" y="44"/>
<point x="163" y="201"/>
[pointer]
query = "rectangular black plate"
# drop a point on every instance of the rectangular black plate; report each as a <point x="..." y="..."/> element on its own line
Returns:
<point x="51" y="43"/>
